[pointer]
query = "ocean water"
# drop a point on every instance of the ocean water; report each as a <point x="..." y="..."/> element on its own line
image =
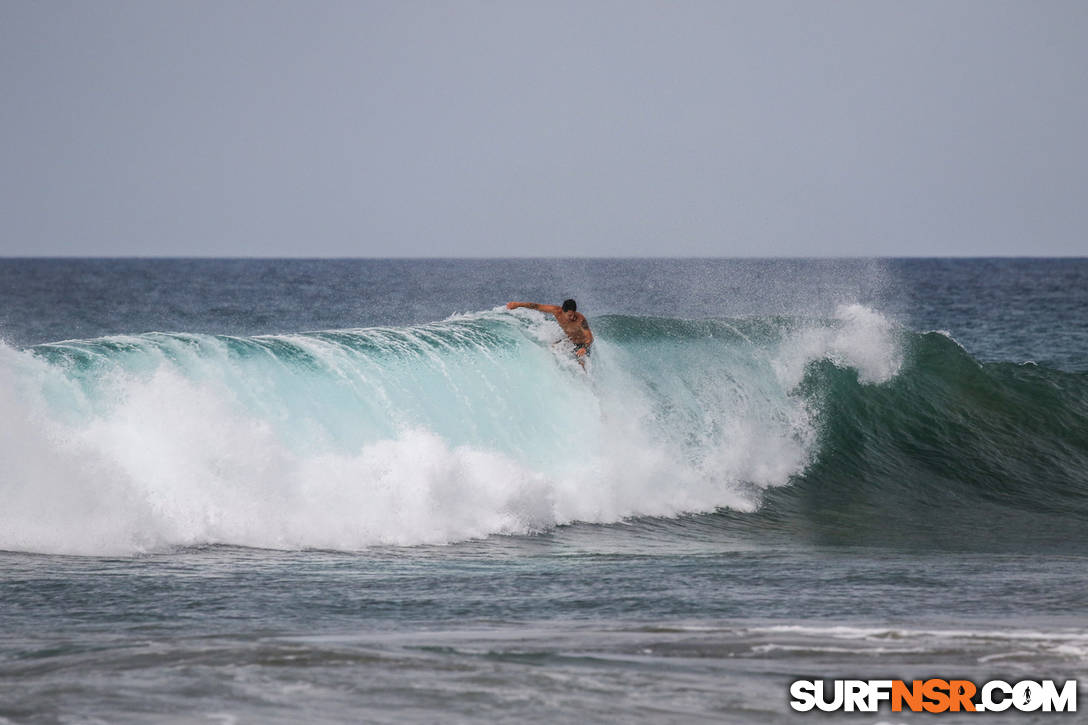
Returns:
<point x="364" y="491"/>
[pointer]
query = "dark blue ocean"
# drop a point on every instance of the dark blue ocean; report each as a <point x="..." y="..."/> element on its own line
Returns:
<point x="286" y="491"/>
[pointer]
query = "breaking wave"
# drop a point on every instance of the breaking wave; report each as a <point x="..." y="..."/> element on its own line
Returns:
<point x="485" y="424"/>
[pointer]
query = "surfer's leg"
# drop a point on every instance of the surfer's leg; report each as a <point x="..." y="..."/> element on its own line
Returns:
<point x="580" y="354"/>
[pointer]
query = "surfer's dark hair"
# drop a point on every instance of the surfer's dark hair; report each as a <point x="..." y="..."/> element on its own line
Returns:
<point x="569" y="306"/>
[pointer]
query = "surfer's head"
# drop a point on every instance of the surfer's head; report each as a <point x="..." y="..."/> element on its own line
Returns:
<point x="570" y="310"/>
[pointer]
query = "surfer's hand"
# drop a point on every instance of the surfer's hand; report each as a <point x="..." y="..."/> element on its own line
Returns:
<point x="511" y="305"/>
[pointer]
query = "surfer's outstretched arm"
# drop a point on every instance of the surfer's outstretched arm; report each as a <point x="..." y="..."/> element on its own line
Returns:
<point x="553" y="309"/>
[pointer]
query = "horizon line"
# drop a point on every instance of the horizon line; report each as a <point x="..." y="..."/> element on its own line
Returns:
<point x="528" y="258"/>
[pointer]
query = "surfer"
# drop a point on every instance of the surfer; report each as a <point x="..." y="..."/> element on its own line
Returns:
<point x="572" y="321"/>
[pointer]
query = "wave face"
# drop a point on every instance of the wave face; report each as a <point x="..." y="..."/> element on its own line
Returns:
<point x="951" y="453"/>
<point x="484" y="424"/>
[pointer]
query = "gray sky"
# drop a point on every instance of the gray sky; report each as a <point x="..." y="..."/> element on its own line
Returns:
<point x="600" y="128"/>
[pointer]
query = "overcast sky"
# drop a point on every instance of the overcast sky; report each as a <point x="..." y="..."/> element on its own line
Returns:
<point x="599" y="128"/>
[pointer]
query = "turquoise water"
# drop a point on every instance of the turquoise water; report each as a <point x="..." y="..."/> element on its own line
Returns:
<point x="363" y="490"/>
